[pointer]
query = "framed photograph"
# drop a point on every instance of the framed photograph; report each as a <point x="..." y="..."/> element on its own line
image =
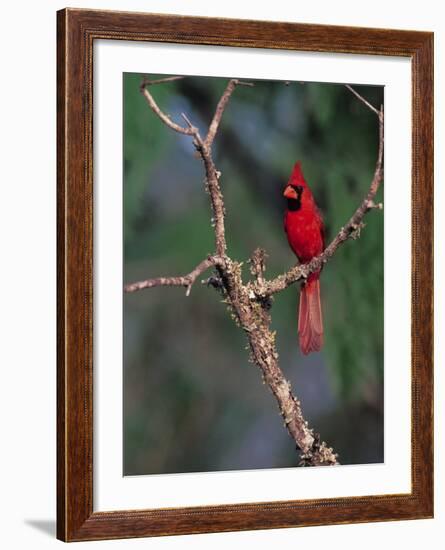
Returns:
<point x="245" y="229"/>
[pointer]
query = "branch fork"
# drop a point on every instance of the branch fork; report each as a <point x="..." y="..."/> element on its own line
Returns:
<point x="186" y="281"/>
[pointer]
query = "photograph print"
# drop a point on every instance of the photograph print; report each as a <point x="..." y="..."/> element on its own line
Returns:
<point x="254" y="274"/>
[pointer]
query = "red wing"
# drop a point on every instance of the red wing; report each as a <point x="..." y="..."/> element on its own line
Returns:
<point x="322" y="227"/>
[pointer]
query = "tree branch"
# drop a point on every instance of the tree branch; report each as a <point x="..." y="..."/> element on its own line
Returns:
<point x="189" y="131"/>
<point x="184" y="280"/>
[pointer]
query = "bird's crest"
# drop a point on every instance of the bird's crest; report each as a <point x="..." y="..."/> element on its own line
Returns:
<point x="297" y="178"/>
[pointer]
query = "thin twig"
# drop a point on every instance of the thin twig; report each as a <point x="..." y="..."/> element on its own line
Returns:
<point x="185" y="280"/>
<point x="189" y="131"/>
<point x="147" y="82"/>
<point x="213" y="128"/>
<point x="362" y="99"/>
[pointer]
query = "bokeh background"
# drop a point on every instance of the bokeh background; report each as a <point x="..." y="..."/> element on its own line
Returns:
<point x="192" y="400"/>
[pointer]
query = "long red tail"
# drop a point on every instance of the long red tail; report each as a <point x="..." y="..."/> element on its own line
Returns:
<point x="310" y="320"/>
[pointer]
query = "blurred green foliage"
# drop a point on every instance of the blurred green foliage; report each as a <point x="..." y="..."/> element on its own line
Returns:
<point x="192" y="402"/>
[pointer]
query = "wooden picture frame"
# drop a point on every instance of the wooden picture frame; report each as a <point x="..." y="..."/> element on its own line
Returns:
<point x="76" y="32"/>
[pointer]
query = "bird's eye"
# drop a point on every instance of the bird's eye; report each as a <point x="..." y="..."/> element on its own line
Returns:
<point x="299" y="189"/>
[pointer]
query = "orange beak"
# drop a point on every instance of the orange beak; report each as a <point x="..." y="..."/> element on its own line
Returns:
<point x="290" y="193"/>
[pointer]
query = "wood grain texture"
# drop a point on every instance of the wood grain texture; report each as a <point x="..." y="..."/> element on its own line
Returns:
<point x="76" y="32"/>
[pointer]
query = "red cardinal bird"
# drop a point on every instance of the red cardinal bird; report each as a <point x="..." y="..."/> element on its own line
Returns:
<point x="305" y="232"/>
